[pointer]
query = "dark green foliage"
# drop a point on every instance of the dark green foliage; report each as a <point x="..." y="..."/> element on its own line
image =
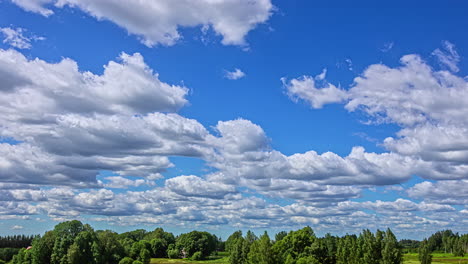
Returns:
<point x="391" y="253"/>
<point x="236" y="254"/>
<point x="16" y="241"/>
<point x="260" y="251"/>
<point x="145" y="256"/>
<point x="173" y="252"/>
<point x="425" y="256"/>
<point x="126" y="260"/>
<point x="111" y="249"/>
<point x="135" y="235"/>
<point x="197" y="256"/>
<point x="7" y="254"/>
<point x="294" y="246"/>
<point x="280" y="235"/>
<point x="194" y="241"/>
<point x="42" y="247"/>
<point x="232" y="240"/>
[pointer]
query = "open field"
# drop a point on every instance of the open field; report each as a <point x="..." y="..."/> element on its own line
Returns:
<point x="437" y="258"/>
<point x="223" y="260"/>
<point x="412" y="258"/>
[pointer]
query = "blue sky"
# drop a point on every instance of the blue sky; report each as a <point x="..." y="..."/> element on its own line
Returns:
<point x="263" y="115"/>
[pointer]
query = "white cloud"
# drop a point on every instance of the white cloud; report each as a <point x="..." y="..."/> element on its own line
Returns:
<point x="448" y="57"/>
<point x="36" y="6"/>
<point x="158" y="22"/>
<point x="17" y="227"/>
<point x="197" y="187"/>
<point x="119" y="182"/>
<point x="128" y="87"/>
<point x="234" y="75"/>
<point x="15" y="38"/>
<point x="410" y="94"/>
<point x="445" y="192"/>
<point x="315" y="91"/>
<point x="387" y="46"/>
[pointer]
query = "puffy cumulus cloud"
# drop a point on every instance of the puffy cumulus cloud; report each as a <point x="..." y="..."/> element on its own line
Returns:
<point x="80" y="123"/>
<point x="17" y="38"/>
<point x="314" y="90"/>
<point x="444" y="192"/>
<point x="119" y="182"/>
<point x="234" y="75"/>
<point x="158" y="22"/>
<point x="27" y="164"/>
<point x="197" y="187"/>
<point x="239" y="136"/>
<point x="128" y="86"/>
<point x="359" y="167"/>
<point x="430" y="106"/>
<point x="305" y="191"/>
<point x="411" y="94"/>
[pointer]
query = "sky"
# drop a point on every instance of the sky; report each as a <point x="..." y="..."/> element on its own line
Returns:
<point x="234" y="114"/>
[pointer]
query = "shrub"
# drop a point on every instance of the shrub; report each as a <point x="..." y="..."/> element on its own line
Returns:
<point x="173" y="253"/>
<point x="197" y="256"/>
<point x="126" y="260"/>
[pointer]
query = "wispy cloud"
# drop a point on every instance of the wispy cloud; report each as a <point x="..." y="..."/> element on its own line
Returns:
<point x="448" y="56"/>
<point x="17" y="37"/>
<point x="387" y="46"/>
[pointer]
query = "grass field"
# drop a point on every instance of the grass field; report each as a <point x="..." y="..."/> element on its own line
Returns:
<point x="222" y="258"/>
<point x="411" y="258"/>
<point x="437" y="258"/>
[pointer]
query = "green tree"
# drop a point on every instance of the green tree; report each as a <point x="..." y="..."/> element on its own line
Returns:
<point x="391" y="253"/>
<point x="232" y="240"/>
<point x="110" y="247"/>
<point x="126" y="260"/>
<point x="145" y="256"/>
<point x="42" y="248"/>
<point x="260" y="251"/>
<point x="424" y="255"/>
<point x="196" y="241"/>
<point x="236" y="255"/>
<point x="197" y="256"/>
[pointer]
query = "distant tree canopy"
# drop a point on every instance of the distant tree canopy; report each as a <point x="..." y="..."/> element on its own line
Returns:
<point x="73" y="242"/>
<point x="16" y="241"/>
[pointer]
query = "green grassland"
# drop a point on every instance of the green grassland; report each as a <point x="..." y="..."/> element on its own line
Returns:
<point x="221" y="258"/>
<point x="437" y="258"/>
<point x="410" y="258"/>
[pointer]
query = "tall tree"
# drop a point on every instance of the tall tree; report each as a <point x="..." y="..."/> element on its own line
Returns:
<point x="260" y="251"/>
<point x="391" y="253"/>
<point x="424" y="255"/>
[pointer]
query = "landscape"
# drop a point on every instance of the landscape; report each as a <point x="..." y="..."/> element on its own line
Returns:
<point x="233" y="131"/>
<point x="73" y="242"/>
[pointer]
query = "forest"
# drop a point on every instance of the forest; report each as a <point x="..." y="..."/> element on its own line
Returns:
<point x="73" y="242"/>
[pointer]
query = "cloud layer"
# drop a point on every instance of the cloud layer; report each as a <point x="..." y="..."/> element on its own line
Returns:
<point x="158" y="22"/>
<point x="78" y="144"/>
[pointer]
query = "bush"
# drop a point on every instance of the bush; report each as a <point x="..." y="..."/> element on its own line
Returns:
<point x="173" y="253"/>
<point x="197" y="256"/>
<point x="137" y="262"/>
<point x="126" y="260"/>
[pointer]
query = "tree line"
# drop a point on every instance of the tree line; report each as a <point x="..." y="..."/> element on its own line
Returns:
<point x="16" y="241"/>
<point x="304" y="247"/>
<point x="73" y="242"/>
<point x="443" y="241"/>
